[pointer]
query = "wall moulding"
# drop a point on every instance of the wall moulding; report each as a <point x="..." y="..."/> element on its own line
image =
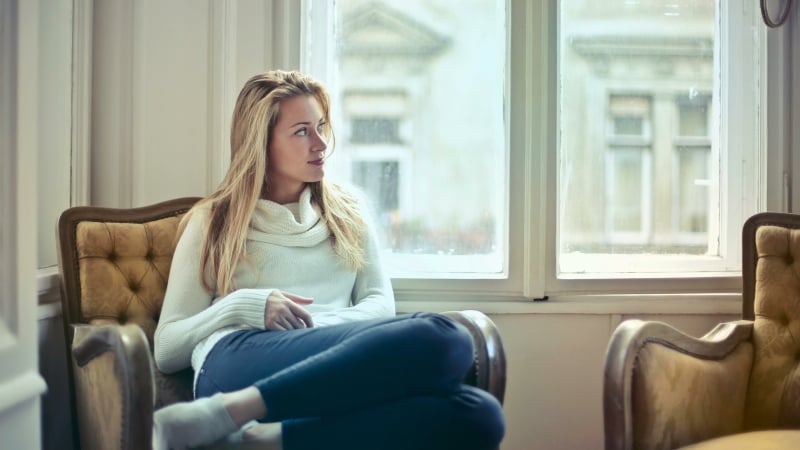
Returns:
<point x="222" y="87"/>
<point x="82" y="29"/>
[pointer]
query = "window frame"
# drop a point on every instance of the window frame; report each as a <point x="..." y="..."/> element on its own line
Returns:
<point x="532" y="162"/>
<point x="727" y="280"/>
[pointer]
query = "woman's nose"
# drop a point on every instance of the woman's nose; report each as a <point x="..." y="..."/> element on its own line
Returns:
<point x="320" y="142"/>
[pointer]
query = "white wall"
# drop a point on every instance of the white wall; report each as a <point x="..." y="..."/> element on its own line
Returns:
<point x="165" y="78"/>
<point x="555" y="375"/>
<point x="54" y="108"/>
<point x="21" y="385"/>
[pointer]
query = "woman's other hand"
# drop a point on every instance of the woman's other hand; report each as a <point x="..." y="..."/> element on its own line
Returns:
<point x="284" y="311"/>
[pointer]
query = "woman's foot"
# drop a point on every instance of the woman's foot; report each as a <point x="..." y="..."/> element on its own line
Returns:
<point x="252" y="436"/>
<point x="262" y="436"/>
<point x="192" y="424"/>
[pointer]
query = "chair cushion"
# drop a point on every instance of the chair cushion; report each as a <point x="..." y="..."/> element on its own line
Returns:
<point x="773" y="399"/>
<point x="124" y="269"/>
<point x="761" y="440"/>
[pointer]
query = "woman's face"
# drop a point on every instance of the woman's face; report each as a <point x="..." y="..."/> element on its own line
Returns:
<point x="297" y="148"/>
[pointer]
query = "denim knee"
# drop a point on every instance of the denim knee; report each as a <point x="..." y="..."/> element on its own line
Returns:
<point x="479" y="417"/>
<point x="445" y="341"/>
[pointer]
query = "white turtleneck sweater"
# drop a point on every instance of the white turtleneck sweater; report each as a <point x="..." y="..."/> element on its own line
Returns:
<point x="288" y="248"/>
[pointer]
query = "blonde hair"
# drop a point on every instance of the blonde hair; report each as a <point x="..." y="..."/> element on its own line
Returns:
<point x="232" y="204"/>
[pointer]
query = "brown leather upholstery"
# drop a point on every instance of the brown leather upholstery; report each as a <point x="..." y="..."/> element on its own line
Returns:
<point x="114" y="266"/>
<point x="773" y="397"/>
<point x="753" y="440"/>
<point x="664" y="389"/>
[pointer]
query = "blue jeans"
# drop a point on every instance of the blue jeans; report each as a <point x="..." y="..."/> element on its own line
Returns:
<point x="386" y="384"/>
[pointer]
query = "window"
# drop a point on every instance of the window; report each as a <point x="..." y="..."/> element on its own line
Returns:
<point x="530" y="149"/>
<point x="656" y="201"/>
<point x="420" y="139"/>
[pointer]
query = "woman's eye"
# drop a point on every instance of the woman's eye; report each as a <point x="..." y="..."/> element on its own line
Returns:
<point x="321" y="128"/>
<point x="301" y="132"/>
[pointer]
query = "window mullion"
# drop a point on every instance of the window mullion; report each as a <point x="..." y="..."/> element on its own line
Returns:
<point x="533" y="71"/>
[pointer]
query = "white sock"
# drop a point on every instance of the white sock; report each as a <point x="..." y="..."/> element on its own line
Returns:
<point x="191" y="424"/>
<point x="232" y="441"/>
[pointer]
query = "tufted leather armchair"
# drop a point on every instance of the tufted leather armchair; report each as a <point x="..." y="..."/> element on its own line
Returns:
<point x="737" y="387"/>
<point x="114" y="266"/>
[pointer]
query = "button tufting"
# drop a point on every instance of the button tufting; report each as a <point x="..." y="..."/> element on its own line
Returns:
<point x="112" y="256"/>
<point x="788" y="259"/>
<point x="134" y="287"/>
<point x="149" y="256"/>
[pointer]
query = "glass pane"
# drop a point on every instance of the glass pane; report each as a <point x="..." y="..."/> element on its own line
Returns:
<point x="372" y="130"/>
<point x="418" y="91"/>
<point x="628" y="126"/>
<point x="380" y="179"/>
<point x="636" y="83"/>
<point x="693" y="116"/>
<point x="625" y="191"/>
<point x="629" y="115"/>
<point x="693" y="185"/>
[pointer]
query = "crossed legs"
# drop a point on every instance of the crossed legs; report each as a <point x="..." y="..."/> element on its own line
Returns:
<point x="361" y="385"/>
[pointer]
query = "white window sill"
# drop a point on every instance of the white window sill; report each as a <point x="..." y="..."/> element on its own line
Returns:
<point x="591" y="304"/>
<point x="49" y="289"/>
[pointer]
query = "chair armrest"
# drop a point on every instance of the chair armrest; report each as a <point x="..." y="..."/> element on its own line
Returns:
<point x="665" y="389"/>
<point x="488" y="371"/>
<point x="113" y="383"/>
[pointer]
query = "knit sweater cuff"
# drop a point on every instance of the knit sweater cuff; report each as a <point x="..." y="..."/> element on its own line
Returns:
<point x="245" y="305"/>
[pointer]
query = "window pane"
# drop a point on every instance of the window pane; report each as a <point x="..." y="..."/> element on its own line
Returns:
<point x="637" y="90"/>
<point x="418" y="91"/>
<point x="693" y="120"/>
<point x="693" y="182"/>
<point x="628" y="125"/>
<point x="626" y="190"/>
<point x="380" y="179"/>
<point x="372" y="130"/>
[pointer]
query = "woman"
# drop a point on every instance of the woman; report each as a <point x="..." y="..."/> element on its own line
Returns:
<point x="277" y="299"/>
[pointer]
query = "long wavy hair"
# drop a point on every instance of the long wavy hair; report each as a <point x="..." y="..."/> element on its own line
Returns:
<point x="232" y="204"/>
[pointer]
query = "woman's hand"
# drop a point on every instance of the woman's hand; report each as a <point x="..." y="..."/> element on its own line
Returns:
<point x="284" y="312"/>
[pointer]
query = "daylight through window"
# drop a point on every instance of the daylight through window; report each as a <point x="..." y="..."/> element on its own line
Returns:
<point x="418" y="90"/>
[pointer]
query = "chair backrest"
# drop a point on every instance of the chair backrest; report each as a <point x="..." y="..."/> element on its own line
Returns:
<point x="771" y="297"/>
<point x="114" y="265"/>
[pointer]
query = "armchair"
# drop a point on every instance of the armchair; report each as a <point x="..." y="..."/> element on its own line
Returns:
<point x="737" y="387"/>
<point x="114" y="266"/>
